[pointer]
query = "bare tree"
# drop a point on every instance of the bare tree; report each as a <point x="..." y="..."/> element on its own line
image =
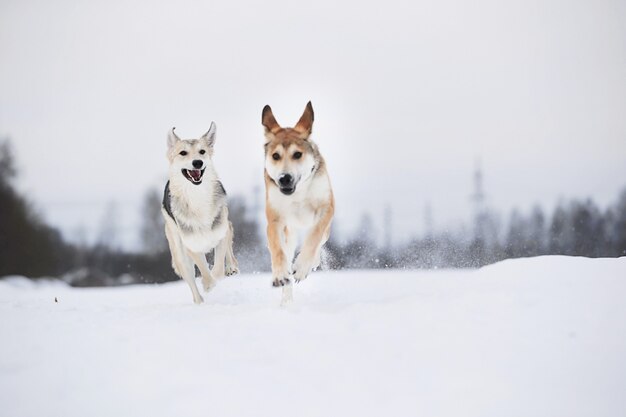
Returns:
<point x="7" y="165"/>
<point x="152" y="232"/>
<point x="108" y="238"/>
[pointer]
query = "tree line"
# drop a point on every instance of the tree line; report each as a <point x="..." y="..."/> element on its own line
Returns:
<point x="575" y="228"/>
<point x="31" y="248"/>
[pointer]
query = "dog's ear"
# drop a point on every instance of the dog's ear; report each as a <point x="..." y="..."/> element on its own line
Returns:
<point x="305" y="124"/>
<point x="269" y="121"/>
<point x="210" y="135"/>
<point x="172" y="138"/>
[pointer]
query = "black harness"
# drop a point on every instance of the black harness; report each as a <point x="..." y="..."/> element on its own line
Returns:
<point x="167" y="205"/>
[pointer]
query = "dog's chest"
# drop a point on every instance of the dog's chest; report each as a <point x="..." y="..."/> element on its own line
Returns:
<point x="300" y="210"/>
<point x="199" y="214"/>
<point x="300" y="215"/>
<point x="196" y="209"/>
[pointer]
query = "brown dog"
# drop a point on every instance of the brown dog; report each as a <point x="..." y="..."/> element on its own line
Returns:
<point x="299" y="198"/>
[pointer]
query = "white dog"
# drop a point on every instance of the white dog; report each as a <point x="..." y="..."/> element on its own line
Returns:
<point x="195" y="213"/>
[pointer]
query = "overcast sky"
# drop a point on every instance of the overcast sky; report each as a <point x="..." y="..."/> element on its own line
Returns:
<point x="407" y="96"/>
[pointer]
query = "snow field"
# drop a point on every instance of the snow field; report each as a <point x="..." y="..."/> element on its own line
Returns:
<point x="528" y="337"/>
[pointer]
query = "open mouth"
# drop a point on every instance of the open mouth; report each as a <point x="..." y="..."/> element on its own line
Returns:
<point x="193" y="175"/>
<point x="287" y="190"/>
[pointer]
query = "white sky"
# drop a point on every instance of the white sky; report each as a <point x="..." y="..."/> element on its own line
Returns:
<point x="407" y="95"/>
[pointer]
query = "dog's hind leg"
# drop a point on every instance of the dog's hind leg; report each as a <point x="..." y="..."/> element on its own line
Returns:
<point x="220" y="258"/>
<point x="232" y="267"/>
<point x="190" y="278"/>
<point x="199" y="259"/>
<point x="182" y="264"/>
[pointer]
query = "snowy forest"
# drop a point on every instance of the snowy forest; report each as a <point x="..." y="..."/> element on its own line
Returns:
<point x="30" y="247"/>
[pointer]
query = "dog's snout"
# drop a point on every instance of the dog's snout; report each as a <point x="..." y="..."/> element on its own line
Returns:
<point x="285" y="180"/>
<point x="197" y="164"/>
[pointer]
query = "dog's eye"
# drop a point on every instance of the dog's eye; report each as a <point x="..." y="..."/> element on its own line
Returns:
<point x="297" y="155"/>
<point x="276" y="156"/>
<point x="183" y="153"/>
<point x="202" y="151"/>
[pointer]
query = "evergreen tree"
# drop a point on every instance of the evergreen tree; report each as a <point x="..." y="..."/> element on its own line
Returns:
<point x="27" y="245"/>
<point x="516" y="240"/>
<point x="536" y="243"/>
<point x="558" y="242"/>
<point x="583" y="220"/>
<point x="619" y="228"/>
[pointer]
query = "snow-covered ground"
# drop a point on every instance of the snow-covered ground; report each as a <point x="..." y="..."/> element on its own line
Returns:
<point x="529" y="337"/>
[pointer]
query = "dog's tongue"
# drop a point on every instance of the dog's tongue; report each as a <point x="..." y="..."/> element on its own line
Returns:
<point x="195" y="174"/>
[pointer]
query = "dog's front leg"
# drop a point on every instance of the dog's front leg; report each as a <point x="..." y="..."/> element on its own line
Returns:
<point x="309" y="256"/>
<point x="280" y="263"/>
<point x="181" y="262"/>
<point x="208" y="282"/>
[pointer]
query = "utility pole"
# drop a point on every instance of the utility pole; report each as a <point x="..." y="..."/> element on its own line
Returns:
<point x="478" y="200"/>
<point x="388" y="226"/>
<point x="480" y="217"/>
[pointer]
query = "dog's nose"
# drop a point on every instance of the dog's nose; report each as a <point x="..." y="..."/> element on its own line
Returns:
<point x="285" y="180"/>
<point x="197" y="164"/>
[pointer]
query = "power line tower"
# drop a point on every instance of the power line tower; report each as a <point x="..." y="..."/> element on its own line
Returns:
<point x="478" y="246"/>
<point x="478" y="201"/>
<point x="388" y="226"/>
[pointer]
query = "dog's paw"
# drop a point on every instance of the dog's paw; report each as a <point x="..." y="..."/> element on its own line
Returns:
<point x="231" y="270"/>
<point x="208" y="284"/>
<point x="281" y="282"/>
<point x="301" y="270"/>
<point x="198" y="299"/>
<point x="298" y="276"/>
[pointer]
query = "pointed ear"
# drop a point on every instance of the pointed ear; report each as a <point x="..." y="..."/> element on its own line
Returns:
<point x="172" y="138"/>
<point x="269" y="121"/>
<point x="305" y="124"/>
<point x="210" y="135"/>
